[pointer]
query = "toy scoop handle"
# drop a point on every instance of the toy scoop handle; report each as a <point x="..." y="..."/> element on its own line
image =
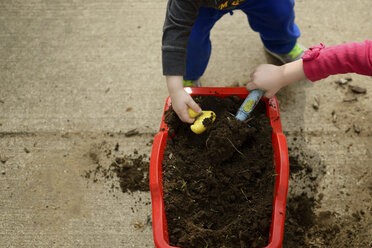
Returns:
<point x="249" y="104"/>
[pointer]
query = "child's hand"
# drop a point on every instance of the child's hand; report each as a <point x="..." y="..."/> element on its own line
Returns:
<point x="272" y="78"/>
<point x="181" y="101"/>
<point x="268" y="78"/>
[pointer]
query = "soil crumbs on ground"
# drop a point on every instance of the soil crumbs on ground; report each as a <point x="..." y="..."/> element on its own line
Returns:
<point x="218" y="186"/>
<point x="305" y="226"/>
<point x="131" y="170"/>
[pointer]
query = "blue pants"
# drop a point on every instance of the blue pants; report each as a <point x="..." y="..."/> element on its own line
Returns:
<point x="273" y="19"/>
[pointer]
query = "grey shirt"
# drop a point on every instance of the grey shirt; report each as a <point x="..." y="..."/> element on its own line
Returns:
<point x="179" y="20"/>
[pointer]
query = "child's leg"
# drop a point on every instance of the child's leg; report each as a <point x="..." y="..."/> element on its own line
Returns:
<point x="274" y="20"/>
<point x="199" y="46"/>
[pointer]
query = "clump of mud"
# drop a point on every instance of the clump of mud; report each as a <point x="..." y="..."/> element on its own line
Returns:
<point x="131" y="170"/>
<point x="132" y="173"/>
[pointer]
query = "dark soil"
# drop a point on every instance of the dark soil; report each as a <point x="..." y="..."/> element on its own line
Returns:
<point x="131" y="170"/>
<point x="305" y="225"/>
<point x="306" y="170"/>
<point x="218" y="186"/>
<point x="299" y="218"/>
<point x="132" y="173"/>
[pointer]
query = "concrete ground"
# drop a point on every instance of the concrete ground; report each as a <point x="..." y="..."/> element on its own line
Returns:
<point x="76" y="75"/>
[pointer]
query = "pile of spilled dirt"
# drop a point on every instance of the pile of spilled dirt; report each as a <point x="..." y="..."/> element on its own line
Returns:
<point x="131" y="170"/>
<point x="218" y="186"/>
<point x="305" y="226"/>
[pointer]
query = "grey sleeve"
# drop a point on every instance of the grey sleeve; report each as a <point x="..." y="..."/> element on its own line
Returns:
<point x="179" y="19"/>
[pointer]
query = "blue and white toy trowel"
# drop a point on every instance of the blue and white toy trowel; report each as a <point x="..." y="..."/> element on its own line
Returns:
<point x="249" y="104"/>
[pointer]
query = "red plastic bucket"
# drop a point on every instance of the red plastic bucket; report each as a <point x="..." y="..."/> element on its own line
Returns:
<point x="160" y="229"/>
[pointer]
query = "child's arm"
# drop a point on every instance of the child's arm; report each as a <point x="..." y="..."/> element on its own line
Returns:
<point x="317" y="63"/>
<point x="320" y="61"/>
<point x="179" y="20"/>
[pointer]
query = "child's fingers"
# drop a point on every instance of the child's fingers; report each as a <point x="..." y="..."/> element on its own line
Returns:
<point x="268" y="94"/>
<point x="184" y="116"/>
<point x="251" y="86"/>
<point x="252" y="74"/>
<point x="193" y="105"/>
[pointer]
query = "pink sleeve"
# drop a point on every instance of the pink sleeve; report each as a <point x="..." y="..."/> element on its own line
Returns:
<point x="320" y="61"/>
